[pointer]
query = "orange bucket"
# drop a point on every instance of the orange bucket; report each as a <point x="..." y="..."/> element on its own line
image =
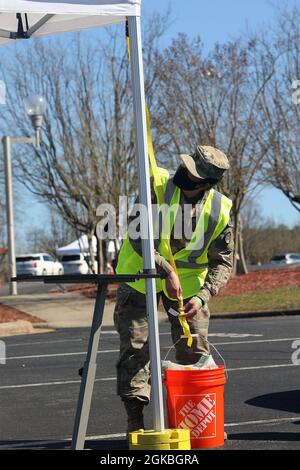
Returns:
<point x="195" y="401"/>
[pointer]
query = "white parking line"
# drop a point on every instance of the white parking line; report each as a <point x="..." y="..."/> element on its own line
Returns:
<point x="9" y="345"/>
<point x="262" y="422"/>
<point x="257" y="341"/>
<point x="108" y="379"/>
<point x="234" y="335"/>
<point x="55" y="382"/>
<point x="30" y="445"/>
<point x="109" y="332"/>
<point x="227" y="425"/>
<point x="80" y="353"/>
<point x="216" y="335"/>
<point x="225" y="335"/>
<point x="61" y="441"/>
<point x="273" y="366"/>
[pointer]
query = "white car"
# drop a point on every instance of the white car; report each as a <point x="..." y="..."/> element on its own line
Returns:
<point x="38" y="264"/>
<point x="77" y="264"/>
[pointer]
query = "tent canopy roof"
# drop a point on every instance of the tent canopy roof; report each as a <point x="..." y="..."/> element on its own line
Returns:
<point x="44" y="17"/>
<point x="81" y="246"/>
<point x="78" y="246"/>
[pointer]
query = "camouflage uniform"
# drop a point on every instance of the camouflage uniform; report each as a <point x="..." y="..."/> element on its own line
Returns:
<point x="130" y="317"/>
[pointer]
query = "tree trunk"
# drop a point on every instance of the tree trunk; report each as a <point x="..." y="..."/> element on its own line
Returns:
<point x="243" y="264"/>
<point x="236" y="244"/>
<point x="100" y="256"/>
<point x="239" y="264"/>
<point x="91" y="252"/>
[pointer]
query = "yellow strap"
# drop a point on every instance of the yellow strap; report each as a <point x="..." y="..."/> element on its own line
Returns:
<point x="160" y="194"/>
<point x="128" y="46"/>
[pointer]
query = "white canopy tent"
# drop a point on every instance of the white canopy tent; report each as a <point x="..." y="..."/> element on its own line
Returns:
<point x="82" y="246"/>
<point x="77" y="246"/>
<point x="23" y="19"/>
<point x="44" y="17"/>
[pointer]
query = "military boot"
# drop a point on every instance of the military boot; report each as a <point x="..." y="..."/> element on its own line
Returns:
<point x="135" y="419"/>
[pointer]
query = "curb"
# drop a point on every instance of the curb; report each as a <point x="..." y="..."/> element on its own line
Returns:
<point x="216" y="316"/>
<point x="57" y="325"/>
<point x="19" y="327"/>
<point x="263" y="314"/>
<point x="22" y="327"/>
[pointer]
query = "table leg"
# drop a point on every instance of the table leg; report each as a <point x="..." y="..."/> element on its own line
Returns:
<point x="89" y="373"/>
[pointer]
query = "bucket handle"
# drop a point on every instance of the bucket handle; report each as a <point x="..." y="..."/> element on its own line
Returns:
<point x="208" y="342"/>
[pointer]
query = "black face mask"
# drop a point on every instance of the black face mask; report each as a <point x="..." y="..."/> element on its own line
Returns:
<point x="182" y="180"/>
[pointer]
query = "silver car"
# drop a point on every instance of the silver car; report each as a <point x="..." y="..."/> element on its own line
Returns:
<point x="77" y="264"/>
<point x="286" y="258"/>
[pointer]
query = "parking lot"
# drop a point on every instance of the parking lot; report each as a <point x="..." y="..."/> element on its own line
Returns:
<point x="40" y="386"/>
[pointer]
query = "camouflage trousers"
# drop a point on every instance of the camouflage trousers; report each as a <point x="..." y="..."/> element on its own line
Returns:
<point x="130" y="318"/>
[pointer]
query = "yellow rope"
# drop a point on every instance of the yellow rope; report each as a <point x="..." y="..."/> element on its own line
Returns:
<point x="160" y="193"/>
<point x="159" y="188"/>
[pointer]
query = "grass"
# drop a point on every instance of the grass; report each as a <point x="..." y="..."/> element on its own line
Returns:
<point x="275" y="299"/>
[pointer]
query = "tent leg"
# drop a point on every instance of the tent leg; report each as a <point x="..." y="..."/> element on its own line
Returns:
<point x="89" y="373"/>
<point x="146" y="219"/>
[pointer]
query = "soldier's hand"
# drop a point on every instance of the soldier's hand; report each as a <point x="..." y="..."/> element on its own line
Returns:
<point x="192" y="308"/>
<point x="173" y="286"/>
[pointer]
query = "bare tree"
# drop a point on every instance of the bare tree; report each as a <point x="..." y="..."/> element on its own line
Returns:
<point x="263" y="238"/>
<point x="279" y="113"/>
<point x="3" y="264"/>
<point x="212" y="100"/>
<point x="87" y="155"/>
<point x="60" y="234"/>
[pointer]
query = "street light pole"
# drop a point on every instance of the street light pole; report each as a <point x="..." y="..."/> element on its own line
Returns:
<point x="7" y="142"/>
<point x="9" y="215"/>
<point x="35" y="107"/>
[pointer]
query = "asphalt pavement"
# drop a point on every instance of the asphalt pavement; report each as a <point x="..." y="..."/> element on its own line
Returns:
<point x="39" y="386"/>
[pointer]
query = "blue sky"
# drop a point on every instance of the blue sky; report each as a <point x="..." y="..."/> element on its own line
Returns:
<point x="214" y="21"/>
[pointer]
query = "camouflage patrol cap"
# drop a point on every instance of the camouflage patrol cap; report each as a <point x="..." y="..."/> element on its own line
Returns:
<point x="206" y="162"/>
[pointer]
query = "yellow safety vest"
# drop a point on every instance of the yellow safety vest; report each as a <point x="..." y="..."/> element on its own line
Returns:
<point x="192" y="261"/>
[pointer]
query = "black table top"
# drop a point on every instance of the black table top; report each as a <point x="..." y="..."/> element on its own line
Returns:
<point x="85" y="278"/>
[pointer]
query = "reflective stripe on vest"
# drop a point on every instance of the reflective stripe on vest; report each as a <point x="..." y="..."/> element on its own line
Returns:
<point x="169" y="191"/>
<point x="212" y="225"/>
<point x="168" y="195"/>
<point x="188" y="265"/>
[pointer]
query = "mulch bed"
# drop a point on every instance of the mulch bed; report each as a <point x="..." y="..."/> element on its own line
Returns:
<point x="91" y="291"/>
<point x="252" y="282"/>
<point x="10" y="314"/>
<point x="262" y="281"/>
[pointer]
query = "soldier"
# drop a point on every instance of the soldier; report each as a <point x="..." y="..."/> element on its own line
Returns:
<point x="203" y="268"/>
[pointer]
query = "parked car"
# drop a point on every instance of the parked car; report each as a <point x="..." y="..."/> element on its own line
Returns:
<point x="77" y="264"/>
<point x="286" y="258"/>
<point x="38" y="264"/>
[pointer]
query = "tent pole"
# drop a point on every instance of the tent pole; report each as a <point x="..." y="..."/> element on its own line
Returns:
<point x="134" y="24"/>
